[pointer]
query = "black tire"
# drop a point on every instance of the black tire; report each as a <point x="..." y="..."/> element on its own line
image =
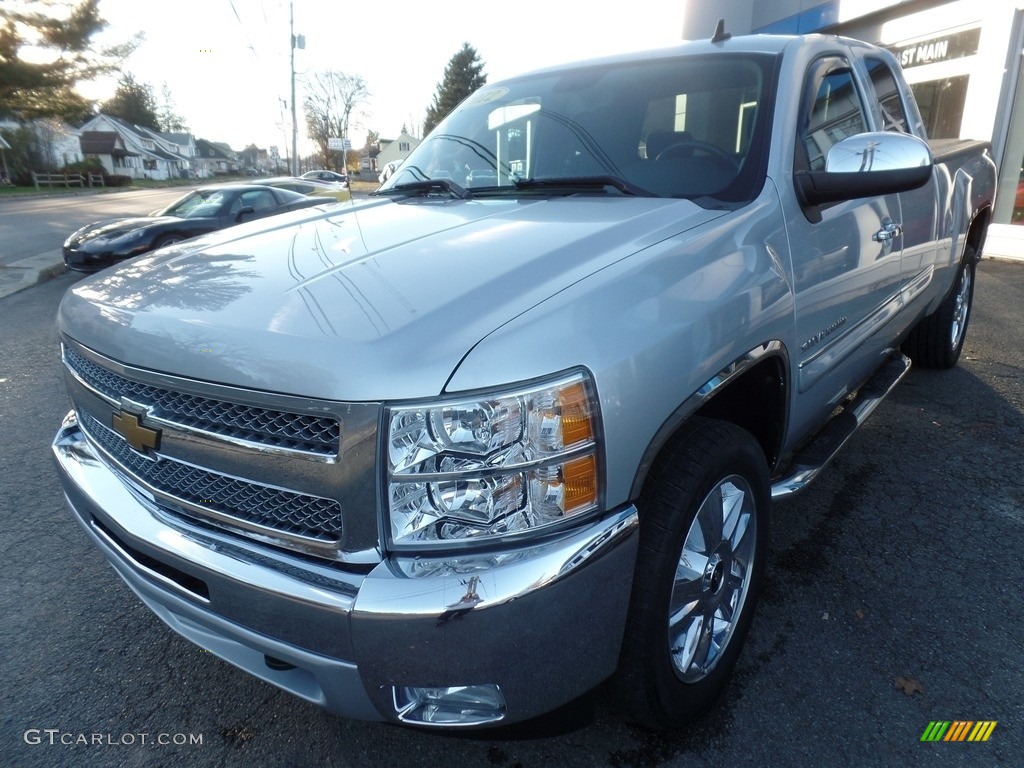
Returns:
<point x="938" y="340"/>
<point x="167" y="240"/>
<point x="668" y="672"/>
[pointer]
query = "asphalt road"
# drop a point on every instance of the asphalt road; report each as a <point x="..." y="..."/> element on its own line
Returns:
<point x="894" y="598"/>
<point x="32" y="225"/>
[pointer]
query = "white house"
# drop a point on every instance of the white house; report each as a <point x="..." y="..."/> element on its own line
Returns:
<point x="57" y="142"/>
<point x="214" y="158"/>
<point x="185" y="143"/>
<point x="147" y="155"/>
<point x="107" y="147"/>
<point x="396" y="149"/>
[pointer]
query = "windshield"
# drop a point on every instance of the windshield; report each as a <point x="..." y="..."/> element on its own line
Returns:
<point x="688" y="127"/>
<point x="197" y="204"/>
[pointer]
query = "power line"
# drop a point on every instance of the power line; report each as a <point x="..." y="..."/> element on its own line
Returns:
<point x="245" y="34"/>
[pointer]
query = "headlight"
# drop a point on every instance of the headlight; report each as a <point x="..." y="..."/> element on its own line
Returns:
<point x="76" y="235"/>
<point x="497" y="465"/>
<point x="129" y="237"/>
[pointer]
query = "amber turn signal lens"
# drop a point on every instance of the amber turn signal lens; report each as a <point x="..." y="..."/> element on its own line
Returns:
<point x="576" y="423"/>
<point x="580" y="483"/>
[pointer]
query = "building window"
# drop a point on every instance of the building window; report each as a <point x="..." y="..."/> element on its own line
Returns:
<point x="942" y="105"/>
<point x="403" y="146"/>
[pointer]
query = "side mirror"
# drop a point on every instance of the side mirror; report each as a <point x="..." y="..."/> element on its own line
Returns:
<point x="247" y="211"/>
<point x="866" y="165"/>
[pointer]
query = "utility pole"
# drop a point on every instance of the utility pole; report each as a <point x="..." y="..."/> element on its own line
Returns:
<point x="296" y="42"/>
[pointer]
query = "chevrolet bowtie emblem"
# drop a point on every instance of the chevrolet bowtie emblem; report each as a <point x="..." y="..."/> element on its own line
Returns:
<point x="129" y="426"/>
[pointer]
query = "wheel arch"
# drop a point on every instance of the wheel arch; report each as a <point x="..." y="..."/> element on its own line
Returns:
<point x="977" y="231"/>
<point x="751" y="392"/>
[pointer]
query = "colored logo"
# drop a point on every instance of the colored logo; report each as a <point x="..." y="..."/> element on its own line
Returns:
<point x="140" y="437"/>
<point x="958" y="730"/>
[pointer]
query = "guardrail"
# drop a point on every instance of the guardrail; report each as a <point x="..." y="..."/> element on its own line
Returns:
<point x="67" y="180"/>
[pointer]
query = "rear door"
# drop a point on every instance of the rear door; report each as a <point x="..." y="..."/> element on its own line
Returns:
<point x="919" y="207"/>
<point x="846" y="256"/>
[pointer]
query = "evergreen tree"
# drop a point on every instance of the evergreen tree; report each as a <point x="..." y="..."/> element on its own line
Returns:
<point x="44" y="86"/>
<point x="463" y="75"/>
<point x="133" y="102"/>
<point x="170" y="121"/>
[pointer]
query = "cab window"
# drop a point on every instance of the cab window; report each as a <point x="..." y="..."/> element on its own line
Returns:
<point x="832" y="111"/>
<point x="894" y="117"/>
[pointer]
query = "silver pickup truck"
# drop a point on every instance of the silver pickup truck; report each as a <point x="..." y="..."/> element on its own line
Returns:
<point x="455" y="455"/>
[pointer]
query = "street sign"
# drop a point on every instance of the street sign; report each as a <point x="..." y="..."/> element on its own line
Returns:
<point x="335" y="143"/>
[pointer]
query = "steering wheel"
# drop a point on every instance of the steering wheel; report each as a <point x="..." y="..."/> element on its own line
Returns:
<point x="689" y="147"/>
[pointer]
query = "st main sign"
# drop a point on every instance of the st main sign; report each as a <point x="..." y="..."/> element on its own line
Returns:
<point x="935" y="49"/>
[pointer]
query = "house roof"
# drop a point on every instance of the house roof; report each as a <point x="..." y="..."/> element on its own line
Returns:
<point x="219" y="149"/>
<point x="103" y="143"/>
<point x="138" y="134"/>
<point x="178" y="138"/>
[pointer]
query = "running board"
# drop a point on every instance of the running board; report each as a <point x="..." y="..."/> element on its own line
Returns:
<point x="819" y="450"/>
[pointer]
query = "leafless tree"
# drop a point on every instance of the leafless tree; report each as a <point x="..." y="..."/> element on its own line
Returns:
<point x="332" y="102"/>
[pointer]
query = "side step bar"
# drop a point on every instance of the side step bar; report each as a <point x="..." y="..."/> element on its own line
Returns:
<point x="820" y="449"/>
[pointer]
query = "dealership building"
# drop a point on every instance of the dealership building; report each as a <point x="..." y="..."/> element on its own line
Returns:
<point x="963" y="59"/>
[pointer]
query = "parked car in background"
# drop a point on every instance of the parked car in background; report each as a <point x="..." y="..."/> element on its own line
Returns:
<point x="204" y="210"/>
<point x="328" y="176"/>
<point x="484" y="177"/>
<point x="387" y="171"/>
<point x="310" y="187"/>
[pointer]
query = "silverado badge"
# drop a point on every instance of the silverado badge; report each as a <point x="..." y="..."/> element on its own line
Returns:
<point x="129" y="426"/>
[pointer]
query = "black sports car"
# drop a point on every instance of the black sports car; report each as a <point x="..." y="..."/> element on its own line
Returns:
<point x="216" y="207"/>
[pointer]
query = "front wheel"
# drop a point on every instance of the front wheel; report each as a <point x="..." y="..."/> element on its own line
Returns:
<point x="703" y="534"/>
<point x="937" y="341"/>
<point x="167" y="240"/>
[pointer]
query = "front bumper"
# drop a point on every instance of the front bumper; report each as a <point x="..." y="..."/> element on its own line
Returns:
<point x="84" y="261"/>
<point x="541" y="624"/>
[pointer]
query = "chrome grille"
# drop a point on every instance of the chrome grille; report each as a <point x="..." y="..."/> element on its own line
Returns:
<point x="300" y="432"/>
<point x="283" y="511"/>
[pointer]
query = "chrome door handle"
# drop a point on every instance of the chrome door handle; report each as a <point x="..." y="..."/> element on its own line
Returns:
<point x="889" y="231"/>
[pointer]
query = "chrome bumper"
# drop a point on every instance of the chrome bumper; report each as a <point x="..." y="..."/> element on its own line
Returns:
<point x="542" y="624"/>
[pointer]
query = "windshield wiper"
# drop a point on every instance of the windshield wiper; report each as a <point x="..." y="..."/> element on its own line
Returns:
<point x="425" y="187"/>
<point x="583" y="183"/>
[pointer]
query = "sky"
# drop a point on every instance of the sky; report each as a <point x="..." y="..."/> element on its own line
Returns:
<point x="226" y="62"/>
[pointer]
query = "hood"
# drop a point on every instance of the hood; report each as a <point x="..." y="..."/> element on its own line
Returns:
<point x="369" y="302"/>
<point x="111" y="228"/>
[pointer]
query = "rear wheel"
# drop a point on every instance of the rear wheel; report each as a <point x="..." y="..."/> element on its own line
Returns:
<point x="703" y="534"/>
<point x="938" y="340"/>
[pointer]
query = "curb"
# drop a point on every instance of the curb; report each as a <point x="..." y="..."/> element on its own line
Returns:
<point x="25" y="273"/>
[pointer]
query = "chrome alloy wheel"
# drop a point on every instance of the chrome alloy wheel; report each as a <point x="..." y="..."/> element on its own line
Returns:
<point x="962" y="308"/>
<point x="712" y="578"/>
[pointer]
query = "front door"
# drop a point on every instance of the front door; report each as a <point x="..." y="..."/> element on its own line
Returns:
<point x="846" y="256"/>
